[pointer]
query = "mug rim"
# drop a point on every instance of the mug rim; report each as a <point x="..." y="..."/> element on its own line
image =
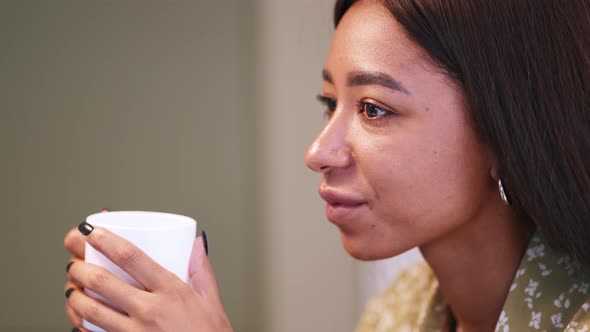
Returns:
<point x="141" y="220"/>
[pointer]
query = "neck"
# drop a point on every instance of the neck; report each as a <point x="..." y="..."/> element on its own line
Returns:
<point x="475" y="266"/>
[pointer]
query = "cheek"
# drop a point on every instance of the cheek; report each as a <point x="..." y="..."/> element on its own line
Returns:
<point x="428" y="178"/>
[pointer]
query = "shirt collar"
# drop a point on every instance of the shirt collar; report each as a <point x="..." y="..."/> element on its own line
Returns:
<point x="547" y="290"/>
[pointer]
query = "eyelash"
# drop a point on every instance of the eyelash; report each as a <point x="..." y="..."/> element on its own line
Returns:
<point x="362" y="106"/>
<point x="329" y="103"/>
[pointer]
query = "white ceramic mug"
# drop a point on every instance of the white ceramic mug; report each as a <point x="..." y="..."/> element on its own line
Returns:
<point x="165" y="237"/>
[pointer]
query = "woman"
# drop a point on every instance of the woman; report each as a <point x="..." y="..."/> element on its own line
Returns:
<point x="441" y="112"/>
<point x="461" y="127"/>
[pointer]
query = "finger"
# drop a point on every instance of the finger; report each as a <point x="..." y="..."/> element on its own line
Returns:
<point x="73" y="316"/>
<point x="97" y="312"/>
<point x="71" y="282"/>
<point x="134" y="261"/>
<point x="103" y="282"/>
<point x="201" y="273"/>
<point x="74" y="243"/>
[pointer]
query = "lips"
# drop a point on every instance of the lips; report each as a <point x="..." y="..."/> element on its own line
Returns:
<point x="341" y="207"/>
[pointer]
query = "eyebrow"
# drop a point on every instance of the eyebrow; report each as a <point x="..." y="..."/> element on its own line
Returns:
<point x="327" y="76"/>
<point x="357" y="78"/>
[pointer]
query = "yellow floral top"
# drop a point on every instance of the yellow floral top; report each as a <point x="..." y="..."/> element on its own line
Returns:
<point x="550" y="292"/>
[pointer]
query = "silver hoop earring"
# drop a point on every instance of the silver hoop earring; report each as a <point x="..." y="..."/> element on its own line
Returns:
<point x="503" y="193"/>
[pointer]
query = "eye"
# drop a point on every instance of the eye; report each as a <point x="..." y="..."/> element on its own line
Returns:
<point x="372" y="111"/>
<point x="329" y="103"/>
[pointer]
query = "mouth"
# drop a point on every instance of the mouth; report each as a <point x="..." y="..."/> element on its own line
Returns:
<point x="342" y="207"/>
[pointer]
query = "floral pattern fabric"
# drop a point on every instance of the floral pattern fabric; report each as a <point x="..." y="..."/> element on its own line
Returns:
<point x="549" y="293"/>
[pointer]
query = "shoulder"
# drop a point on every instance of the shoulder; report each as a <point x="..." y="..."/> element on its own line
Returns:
<point x="403" y="305"/>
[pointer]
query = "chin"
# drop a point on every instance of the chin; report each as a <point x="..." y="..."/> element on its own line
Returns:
<point x="365" y="249"/>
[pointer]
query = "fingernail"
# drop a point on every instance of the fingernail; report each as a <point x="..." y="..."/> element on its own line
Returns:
<point x="69" y="292"/>
<point x="205" y="243"/>
<point x="85" y="228"/>
<point x="68" y="266"/>
<point x="75" y="329"/>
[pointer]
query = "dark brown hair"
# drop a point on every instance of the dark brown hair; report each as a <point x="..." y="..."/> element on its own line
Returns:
<point x="524" y="66"/>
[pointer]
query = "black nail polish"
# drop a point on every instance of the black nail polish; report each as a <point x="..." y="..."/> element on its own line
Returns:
<point x="75" y="329"/>
<point x="205" y="243"/>
<point x="69" y="292"/>
<point x="68" y="266"/>
<point x="85" y="228"/>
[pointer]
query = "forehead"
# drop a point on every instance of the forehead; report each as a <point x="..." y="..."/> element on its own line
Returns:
<point x="369" y="38"/>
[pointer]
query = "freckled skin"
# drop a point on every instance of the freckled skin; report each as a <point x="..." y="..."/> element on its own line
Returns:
<point x="423" y="171"/>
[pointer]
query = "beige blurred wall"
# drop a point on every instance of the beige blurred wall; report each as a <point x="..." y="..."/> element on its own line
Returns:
<point x="310" y="278"/>
<point x="197" y="107"/>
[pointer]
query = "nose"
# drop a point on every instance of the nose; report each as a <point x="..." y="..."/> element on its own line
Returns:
<point x="330" y="149"/>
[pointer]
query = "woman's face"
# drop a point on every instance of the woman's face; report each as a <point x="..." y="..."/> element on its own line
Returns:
<point x="401" y="165"/>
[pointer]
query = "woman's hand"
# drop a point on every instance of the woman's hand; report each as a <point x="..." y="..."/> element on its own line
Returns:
<point x="167" y="304"/>
<point x="74" y="243"/>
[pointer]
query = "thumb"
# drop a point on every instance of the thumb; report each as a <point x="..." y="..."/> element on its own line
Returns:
<point x="201" y="272"/>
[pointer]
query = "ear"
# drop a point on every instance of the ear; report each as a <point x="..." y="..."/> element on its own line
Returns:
<point x="494" y="173"/>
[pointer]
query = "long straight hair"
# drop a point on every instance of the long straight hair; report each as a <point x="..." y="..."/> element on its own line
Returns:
<point x="524" y="66"/>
